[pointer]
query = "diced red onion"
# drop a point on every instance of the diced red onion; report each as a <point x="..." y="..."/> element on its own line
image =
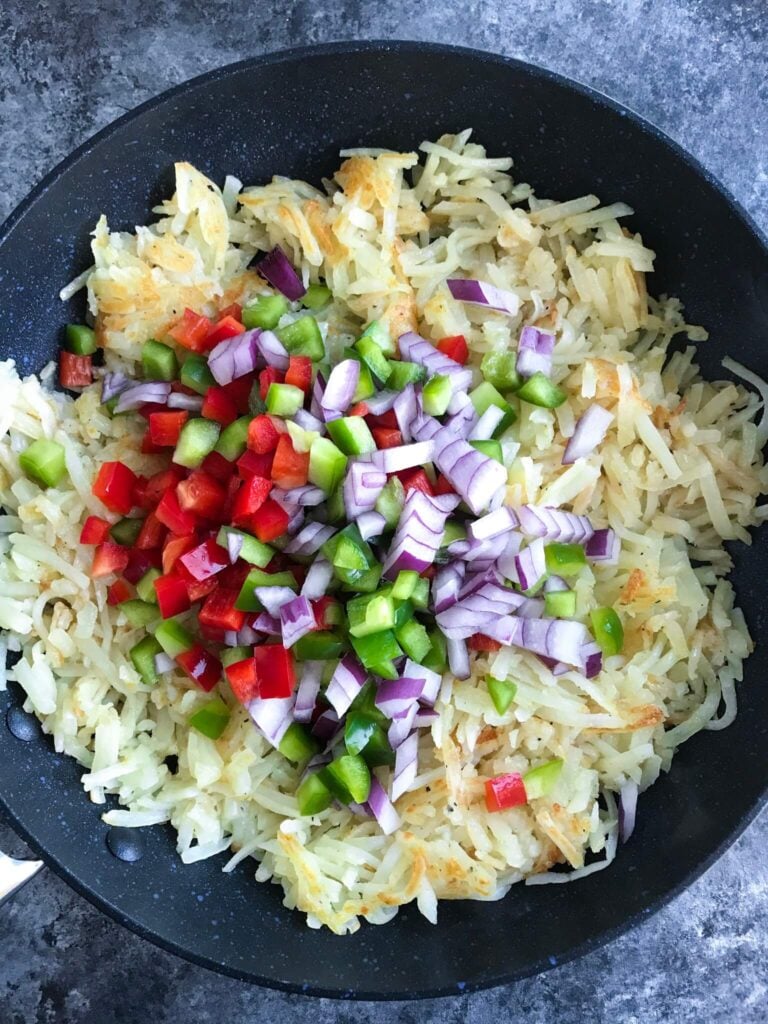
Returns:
<point x="424" y="428"/>
<point x="627" y="809"/>
<point x="297" y="515"/>
<point x="445" y="585"/>
<point x="493" y="524"/>
<point x="273" y="598"/>
<point x="603" y="546"/>
<point x="317" y="395"/>
<point x="480" y="293"/>
<point x="395" y="696"/>
<point x="273" y="351"/>
<point x="405" y="456"/>
<point x="371" y="524"/>
<point x="505" y="563"/>
<point x="400" y="729"/>
<point x="276" y="268"/>
<point x="307" y="496"/>
<point x="381" y="808"/>
<point x="317" y="580"/>
<point x="247" y="636"/>
<point x="406" y="765"/>
<point x="307" y="421"/>
<point x="340" y="389"/>
<point x="559" y="639"/>
<point x="530" y="565"/>
<point x="164" y="663"/>
<point x="326" y="726"/>
<point x="263" y="622"/>
<point x="425" y="718"/>
<point x="588" y="434"/>
<point x="362" y="486"/>
<point x="310" y="539"/>
<point x="557" y="668"/>
<point x="554" y="524"/>
<point x="296" y="620"/>
<point x="404" y="407"/>
<point x="531" y="608"/>
<point x="234" y="545"/>
<point x="191" y="403"/>
<point x="486" y="425"/>
<point x="554" y="584"/>
<point x="415" y="349"/>
<point x="592" y="659"/>
<point x="382" y="402"/>
<point x="346" y="682"/>
<point x="113" y="384"/>
<point x="418" y="534"/>
<point x="458" y="658"/>
<point x="431" y="680"/>
<point x="534" y="352"/>
<point x="474" y="476"/>
<point x="235" y="357"/>
<point x="272" y="715"/>
<point x="462" y="415"/>
<point x="153" y="392"/>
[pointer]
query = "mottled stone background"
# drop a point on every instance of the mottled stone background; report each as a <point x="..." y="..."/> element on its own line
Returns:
<point x="697" y="68"/>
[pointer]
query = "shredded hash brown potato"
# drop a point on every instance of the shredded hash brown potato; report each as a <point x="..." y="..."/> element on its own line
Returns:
<point x="679" y="473"/>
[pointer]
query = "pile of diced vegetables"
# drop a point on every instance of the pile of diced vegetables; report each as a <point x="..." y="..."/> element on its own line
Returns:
<point x="332" y="539"/>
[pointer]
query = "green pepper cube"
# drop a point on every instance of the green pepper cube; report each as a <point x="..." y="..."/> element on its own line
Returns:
<point x="316" y="296"/>
<point x="348" y="778"/>
<point x="486" y="395"/>
<point x="284" y="399"/>
<point x="197" y="439"/>
<point x="335" y="509"/>
<point x="211" y="719"/>
<point x="232" y="440"/>
<point x="403" y="612"/>
<point x="231" y="655"/>
<point x="319" y="645"/>
<point x="43" y="461"/>
<point x="139" y="613"/>
<point x="414" y="640"/>
<point x="391" y="500"/>
<point x="265" y="312"/>
<point x="402" y="373"/>
<point x="437" y="656"/>
<point x="564" y="559"/>
<point x="377" y="331"/>
<point x="541" y="781"/>
<point x="374" y="358"/>
<point x="500" y="370"/>
<point x="173" y="637"/>
<point x="608" y="630"/>
<point x="142" y="655"/>
<point x="405" y="584"/>
<point x="159" y="361"/>
<point x="361" y="582"/>
<point x="252" y="550"/>
<point x="247" y="600"/>
<point x="351" y="434"/>
<point x="560" y="604"/>
<point x="420" y="595"/>
<point x="363" y="734"/>
<point x="125" y="531"/>
<point x="492" y="449"/>
<point x="313" y="796"/>
<point x="303" y="338"/>
<point x="145" y="588"/>
<point x="539" y="390"/>
<point x="371" y="613"/>
<point x="436" y="394"/>
<point x="196" y="375"/>
<point x="502" y="693"/>
<point x="378" y="652"/>
<point x="297" y="744"/>
<point x="81" y="339"/>
<point x="327" y="465"/>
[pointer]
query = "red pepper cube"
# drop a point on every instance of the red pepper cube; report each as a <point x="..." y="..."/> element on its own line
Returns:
<point x="201" y="666"/>
<point x="299" y="373"/>
<point x="118" y="592"/>
<point x="243" y="679"/>
<point x="174" y="548"/>
<point x="192" y="331"/>
<point x="251" y="464"/>
<point x="239" y="392"/>
<point x="218" y="406"/>
<point x="151" y="535"/>
<point x="386" y="419"/>
<point x="114" y="486"/>
<point x="139" y="562"/>
<point x="289" y="468"/>
<point x="387" y="437"/>
<point x="149" y="490"/>
<point x="249" y="499"/>
<point x="359" y="409"/>
<point x="455" y="348"/>
<point x="171" y="514"/>
<point x="215" y="465"/>
<point x="198" y="589"/>
<point x="267" y="378"/>
<point x="172" y="596"/>
<point x="270" y="521"/>
<point x="108" y="558"/>
<point x="442" y="486"/>
<point x="165" y="427"/>
<point x="263" y="435"/>
<point x="225" y="327"/>
<point x="95" y="530"/>
<point x="75" y="371"/>
<point x="275" y="671"/>
<point x="481" y="642"/>
<point x="322" y="607"/>
<point x="201" y="494"/>
<point x="415" y="479"/>
<point x="234" y="310"/>
<point x="205" y="560"/>
<point x="505" y="791"/>
<point x="148" y="446"/>
<point x="219" y="612"/>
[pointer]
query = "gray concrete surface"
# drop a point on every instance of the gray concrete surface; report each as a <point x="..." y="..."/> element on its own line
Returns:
<point x="695" y="67"/>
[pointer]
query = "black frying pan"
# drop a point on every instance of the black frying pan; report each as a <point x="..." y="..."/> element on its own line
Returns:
<point x="290" y="113"/>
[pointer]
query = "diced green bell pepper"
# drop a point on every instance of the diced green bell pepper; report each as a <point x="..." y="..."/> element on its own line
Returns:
<point x="81" y="339"/>
<point x="247" y="600"/>
<point x="391" y="500"/>
<point x="560" y="604"/>
<point x="364" y="735"/>
<point x="420" y="596"/>
<point x="139" y="613"/>
<point x="125" y="531"/>
<point x="284" y="400"/>
<point x="486" y="395"/>
<point x="312" y="795"/>
<point x="231" y="655"/>
<point x="374" y="358"/>
<point x="351" y="434"/>
<point x="502" y="693"/>
<point x="319" y="645"/>
<point x="371" y="613"/>
<point x="43" y="461"/>
<point x="303" y="338"/>
<point x="564" y="559"/>
<point x="490" y="448"/>
<point x="335" y="510"/>
<point x="436" y="394"/>
<point x="145" y="588"/>
<point x="265" y="312"/>
<point x="539" y="390"/>
<point x="348" y="778"/>
<point x="297" y="744"/>
<point x="437" y="656"/>
<point x="377" y="331"/>
<point x="173" y="637"/>
<point x="540" y="781"/>
<point x="159" y="361"/>
<point x="378" y="652"/>
<point x="414" y="640"/>
<point x="232" y="440"/>
<point x="608" y="630"/>
<point x="402" y="373"/>
<point x="362" y="583"/>
<point x="211" y="719"/>
<point x="142" y="655"/>
<point x="252" y="550"/>
<point x="327" y="465"/>
<point x="197" y="439"/>
<point x="500" y="369"/>
<point x="405" y="584"/>
<point x="196" y="375"/>
<point x="316" y="296"/>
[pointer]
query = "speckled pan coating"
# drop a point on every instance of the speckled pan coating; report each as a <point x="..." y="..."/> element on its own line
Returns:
<point x="249" y="120"/>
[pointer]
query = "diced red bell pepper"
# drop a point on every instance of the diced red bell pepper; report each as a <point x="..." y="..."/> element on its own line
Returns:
<point x="149" y="490"/>
<point x="108" y="558"/>
<point x="275" y="671"/>
<point x="386" y="419"/>
<point x="172" y="596"/>
<point x="455" y="348"/>
<point x="233" y="486"/>
<point x="75" y="371"/>
<point x="192" y="331"/>
<point x="140" y="561"/>
<point x="359" y="409"/>
<point x="114" y="486"/>
<point x="205" y="560"/>
<point x="218" y="406"/>
<point x="225" y="327"/>
<point x="165" y="427"/>
<point x="95" y="530"/>
<point x="118" y="592"/>
<point x="481" y="642"/>
<point x="148" y="408"/>
<point x="290" y="468"/>
<point x="148" y="446"/>
<point x="249" y="499"/>
<point x="320" y="608"/>
<point x="201" y="666"/>
<point x="299" y="573"/>
<point x="233" y="577"/>
<point x="505" y="791"/>
<point x="269" y="376"/>
<point x="151" y="535"/>
<point x="171" y="514"/>
<point x="239" y="392"/>
<point x="299" y="373"/>
<point x="270" y="521"/>
<point x="243" y="680"/>
<point x="415" y="479"/>
<point x="174" y="548"/>
<point x="387" y="437"/>
<point x="234" y="310"/>
<point x="201" y="494"/>
<point x="442" y="486"/>
<point x="198" y="589"/>
<point x="217" y="466"/>
<point x="219" y="612"/>
<point x="263" y="434"/>
<point x="428" y="573"/>
<point x="252" y="464"/>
